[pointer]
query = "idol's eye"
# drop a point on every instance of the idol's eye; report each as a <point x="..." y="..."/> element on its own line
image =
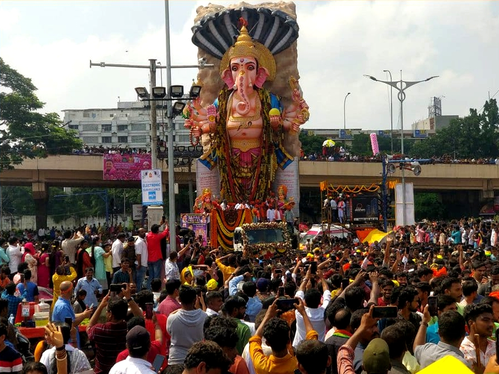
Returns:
<point x="251" y="67"/>
<point x="234" y="67"/>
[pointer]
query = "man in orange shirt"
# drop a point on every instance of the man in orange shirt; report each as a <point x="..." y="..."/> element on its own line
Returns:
<point x="276" y="333"/>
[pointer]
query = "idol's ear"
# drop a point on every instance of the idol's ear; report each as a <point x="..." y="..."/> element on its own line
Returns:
<point x="227" y="78"/>
<point x="261" y="77"/>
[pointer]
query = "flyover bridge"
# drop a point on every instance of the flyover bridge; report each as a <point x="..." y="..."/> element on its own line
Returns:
<point x="86" y="171"/>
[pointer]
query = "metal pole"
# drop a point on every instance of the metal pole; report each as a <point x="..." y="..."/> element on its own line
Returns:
<point x="171" y="176"/>
<point x="401" y="98"/>
<point x="391" y="110"/>
<point x="345" y="118"/>
<point x="153" y="114"/>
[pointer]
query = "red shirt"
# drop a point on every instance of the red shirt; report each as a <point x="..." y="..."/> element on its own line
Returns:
<point x="168" y="305"/>
<point x="154" y="245"/>
<point x="151" y="329"/>
<point x="110" y="340"/>
<point x="153" y="351"/>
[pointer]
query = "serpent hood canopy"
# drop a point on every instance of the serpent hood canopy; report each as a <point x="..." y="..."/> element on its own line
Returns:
<point x="216" y="32"/>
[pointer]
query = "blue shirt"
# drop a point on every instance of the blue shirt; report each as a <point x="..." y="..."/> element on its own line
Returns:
<point x="31" y="291"/>
<point x="63" y="310"/>
<point x="432" y="334"/>
<point x="90" y="287"/>
<point x="253" y="307"/>
<point x="13" y="302"/>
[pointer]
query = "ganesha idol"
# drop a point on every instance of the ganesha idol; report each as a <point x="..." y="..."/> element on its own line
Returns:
<point x="246" y="123"/>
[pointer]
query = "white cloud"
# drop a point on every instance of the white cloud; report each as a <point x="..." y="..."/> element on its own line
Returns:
<point x="339" y="42"/>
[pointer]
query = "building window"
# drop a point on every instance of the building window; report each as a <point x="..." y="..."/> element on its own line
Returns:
<point x="106" y="128"/>
<point x="122" y="139"/>
<point x="86" y="114"/>
<point x="73" y="127"/>
<point x="122" y="127"/>
<point x="139" y="127"/>
<point x="90" y="127"/>
<point x="90" y="139"/>
<point x="139" y="139"/>
<point x="182" y="138"/>
<point x="107" y="139"/>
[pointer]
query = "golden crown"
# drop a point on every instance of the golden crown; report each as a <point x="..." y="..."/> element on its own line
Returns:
<point x="246" y="47"/>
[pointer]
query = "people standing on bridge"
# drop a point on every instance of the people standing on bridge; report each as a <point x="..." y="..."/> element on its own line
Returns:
<point x="69" y="244"/>
<point x="155" y="257"/>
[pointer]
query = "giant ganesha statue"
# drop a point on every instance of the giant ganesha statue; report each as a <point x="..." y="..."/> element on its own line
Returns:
<point x="246" y="123"/>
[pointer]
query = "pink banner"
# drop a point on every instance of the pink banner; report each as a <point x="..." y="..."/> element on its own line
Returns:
<point x="125" y="167"/>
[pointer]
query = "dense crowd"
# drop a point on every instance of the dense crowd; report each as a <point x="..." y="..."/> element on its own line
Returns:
<point x="341" y="306"/>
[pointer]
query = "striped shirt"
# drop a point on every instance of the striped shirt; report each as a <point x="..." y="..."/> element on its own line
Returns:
<point x="10" y="360"/>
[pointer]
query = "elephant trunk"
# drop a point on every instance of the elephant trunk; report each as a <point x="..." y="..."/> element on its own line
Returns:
<point x="243" y="107"/>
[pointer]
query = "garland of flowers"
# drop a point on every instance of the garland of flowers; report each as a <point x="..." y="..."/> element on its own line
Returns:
<point x="267" y="248"/>
<point x="355" y="189"/>
<point x="222" y="227"/>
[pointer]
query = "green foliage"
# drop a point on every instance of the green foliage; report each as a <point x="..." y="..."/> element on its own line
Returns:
<point x="17" y="201"/>
<point x="428" y="205"/>
<point x="474" y="136"/>
<point x="311" y="143"/>
<point x="24" y="131"/>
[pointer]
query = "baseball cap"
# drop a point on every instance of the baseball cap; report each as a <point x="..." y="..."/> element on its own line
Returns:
<point x="137" y="338"/>
<point x="262" y="284"/>
<point x="376" y="357"/>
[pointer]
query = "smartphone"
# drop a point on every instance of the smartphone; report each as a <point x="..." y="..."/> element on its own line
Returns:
<point x="69" y="322"/>
<point x="432" y="306"/>
<point x="337" y="266"/>
<point x="385" y="312"/>
<point x="344" y="283"/>
<point x="278" y="271"/>
<point x="149" y="308"/>
<point x="116" y="288"/>
<point x="285" y="305"/>
<point x="313" y="267"/>
<point x="91" y="306"/>
<point x="280" y="292"/>
<point x="158" y="362"/>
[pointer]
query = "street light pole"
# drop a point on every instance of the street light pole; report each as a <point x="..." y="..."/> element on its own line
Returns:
<point x="345" y="117"/>
<point x="152" y="113"/>
<point x="391" y="110"/>
<point x="171" y="176"/>
<point x="401" y="86"/>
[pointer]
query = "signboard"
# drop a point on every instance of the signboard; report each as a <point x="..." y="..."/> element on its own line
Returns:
<point x="409" y="205"/>
<point x="290" y="177"/>
<point x="136" y="212"/>
<point x="345" y="134"/>
<point x="420" y="134"/>
<point x="365" y="209"/>
<point x="196" y="222"/>
<point x="152" y="191"/>
<point x="125" y="167"/>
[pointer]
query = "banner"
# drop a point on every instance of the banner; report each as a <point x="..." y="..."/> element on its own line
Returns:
<point x="196" y="222"/>
<point x="125" y="167"/>
<point x="152" y="191"/>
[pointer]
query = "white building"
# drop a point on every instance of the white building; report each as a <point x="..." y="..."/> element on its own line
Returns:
<point x="128" y="125"/>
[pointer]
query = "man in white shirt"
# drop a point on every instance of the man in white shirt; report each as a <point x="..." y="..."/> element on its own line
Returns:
<point x="141" y="258"/>
<point x="138" y="342"/>
<point x="117" y="251"/>
<point x="314" y="310"/>
<point x="171" y="267"/>
<point x="70" y="243"/>
<point x="14" y="253"/>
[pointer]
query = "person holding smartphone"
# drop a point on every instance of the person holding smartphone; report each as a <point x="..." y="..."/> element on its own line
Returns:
<point x="313" y="308"/>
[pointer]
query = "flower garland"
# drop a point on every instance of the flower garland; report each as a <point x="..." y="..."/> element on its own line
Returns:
<point x="355" y="189"/>
<point x="267" y="249"/>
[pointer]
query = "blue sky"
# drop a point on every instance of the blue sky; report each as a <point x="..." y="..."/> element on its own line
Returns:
<point x="53" y="41"/>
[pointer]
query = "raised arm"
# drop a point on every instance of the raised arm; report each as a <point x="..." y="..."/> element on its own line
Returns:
<point x="421" y="335"/>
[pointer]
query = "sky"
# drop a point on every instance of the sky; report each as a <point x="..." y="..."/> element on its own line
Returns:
<point x="52" y="42"/>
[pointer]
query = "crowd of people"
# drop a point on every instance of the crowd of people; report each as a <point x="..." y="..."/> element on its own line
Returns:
<point x="341" y="306"/>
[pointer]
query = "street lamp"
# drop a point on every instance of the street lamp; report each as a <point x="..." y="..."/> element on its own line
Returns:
<point x="345" y="117"/>
<point x="391" y="110"/>
<point x="401" y="86"/>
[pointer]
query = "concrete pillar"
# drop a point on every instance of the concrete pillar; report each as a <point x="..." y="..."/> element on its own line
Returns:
<point x="40" y="196"/>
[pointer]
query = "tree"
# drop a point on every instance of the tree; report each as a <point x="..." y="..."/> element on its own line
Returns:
<point x="24" y="131"/>
<point x="428" y="205"/>
<point x="311" y="143"/>
<point x="474" y="136"/>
